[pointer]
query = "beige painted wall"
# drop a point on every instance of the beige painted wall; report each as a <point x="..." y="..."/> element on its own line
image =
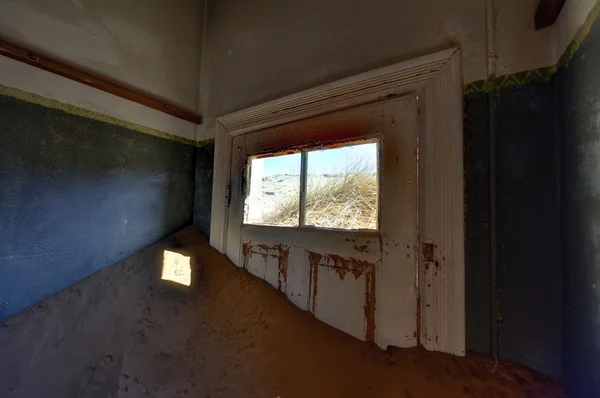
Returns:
<point x="520" y="47"/>
<point x="262" y="50"/>
<point x="151" y="45"/>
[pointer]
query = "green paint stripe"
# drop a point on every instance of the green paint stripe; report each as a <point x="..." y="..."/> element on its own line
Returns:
<point x="76" y="110"/>
<point x="580" y="36"/>
<point x="540" y="74"/>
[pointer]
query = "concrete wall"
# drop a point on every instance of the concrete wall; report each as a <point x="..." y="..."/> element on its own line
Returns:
<point x="579" y="103"/>
<point x="77" y="194"/>
<point x="151" y="45"/>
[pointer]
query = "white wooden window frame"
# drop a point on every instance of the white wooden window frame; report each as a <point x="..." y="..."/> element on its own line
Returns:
<point x="437" y="80"/>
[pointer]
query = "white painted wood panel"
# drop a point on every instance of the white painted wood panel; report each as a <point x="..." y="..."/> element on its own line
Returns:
<point x="396" y="291"/>
<point x="440" y="196"/>
<point x="442" y="215"/>
<point x="341" y="300"/>
<point x="297" y="286"/>
<point x="345" y="278"/>
<point x="220" y="196"/>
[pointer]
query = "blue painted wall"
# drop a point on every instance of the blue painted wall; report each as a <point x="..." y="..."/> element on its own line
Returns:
<point x="477" y="221"/>
<point x="203" y="189"/>
<point x="529" y="266"/>
<point x="579" y="105"/>
<point x="77" y="195"/>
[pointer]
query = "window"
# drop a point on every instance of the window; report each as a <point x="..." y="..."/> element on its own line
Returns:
<point x="325" y="187"/>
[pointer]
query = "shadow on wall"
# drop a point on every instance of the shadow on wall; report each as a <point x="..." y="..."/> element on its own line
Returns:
<point x="98" y="336"/>
<point x="578" y="104"/>
<point x="77" y="195"/>
<point x="203" y="189"/>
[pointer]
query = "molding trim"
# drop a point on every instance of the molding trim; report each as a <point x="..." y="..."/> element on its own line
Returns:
<point x="515" y="79"/>
<point x="34" y="85"/>
<point x="334" y="96"/>
<point x="75" y="110"/>
<point x="538" y="75"/>
<point x="61" y="68"/>
<point x="580" y="36"/>
<point x="437" y="80"/>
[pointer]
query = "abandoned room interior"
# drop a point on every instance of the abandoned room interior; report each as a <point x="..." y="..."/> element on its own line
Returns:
<point x="224" y="198"/>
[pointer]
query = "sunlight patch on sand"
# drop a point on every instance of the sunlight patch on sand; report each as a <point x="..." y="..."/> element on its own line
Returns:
<point x="176" y="268"/>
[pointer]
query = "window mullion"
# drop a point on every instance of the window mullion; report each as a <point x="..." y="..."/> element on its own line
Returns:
<point x="303" y="178"/>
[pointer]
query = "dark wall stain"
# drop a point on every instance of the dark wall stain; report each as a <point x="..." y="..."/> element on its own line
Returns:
<point x="77" y="195"/>
<point x="203" y="190"/>
<point x="528" y="227"/>
<point x="477" y="221"/>
<point x="579" y="105"/>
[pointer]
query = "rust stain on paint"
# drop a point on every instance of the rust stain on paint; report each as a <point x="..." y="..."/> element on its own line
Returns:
<point x="282" y="260"/>
<point x="428" y="251"/>
<point x="417" y="333"/>
<point x="314" y="259"/>
<point x="370" y="305"/>
<point x="362" y="248"/>
<point x="343" y="265"/>
<point x="349" y="264"/>
<point x="341" y="272"/>
<point x="264" y="247"/>
<point x="247" y="250"/>
<point x="284" y="256"/>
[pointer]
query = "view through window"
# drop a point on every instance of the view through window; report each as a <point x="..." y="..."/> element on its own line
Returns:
<point x="340" y="188"/>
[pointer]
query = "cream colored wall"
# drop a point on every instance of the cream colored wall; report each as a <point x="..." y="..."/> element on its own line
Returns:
<point x="520" y="47"/>
<point x="151" y="45"/>
<point x="259" y="51"/>
<point x="262" y="50"/>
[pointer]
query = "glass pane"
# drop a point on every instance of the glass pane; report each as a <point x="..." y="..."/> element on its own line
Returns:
<point x="342" y="187"/>
<point x="273" y="192"/>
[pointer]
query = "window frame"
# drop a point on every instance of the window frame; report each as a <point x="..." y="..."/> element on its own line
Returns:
<point x="437" y="79"/>
<point x="303" y="189"/>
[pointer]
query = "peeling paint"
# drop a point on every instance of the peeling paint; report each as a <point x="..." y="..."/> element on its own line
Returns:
<point x="370" y="306"/>
<point x="341" y="266"/>
<point x="341" y="272"/>
<point x="362" y="248"/>
<point x="247" y="250"/>
<point x="428" y="251"/>
<point x="350" y="264"/>
<point x="314" y="258"/>
<point x="264" y="247"/>
<point x="284" y="256"/>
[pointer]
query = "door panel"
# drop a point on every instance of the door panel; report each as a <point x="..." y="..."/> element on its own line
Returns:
<point x="361" y="282"/>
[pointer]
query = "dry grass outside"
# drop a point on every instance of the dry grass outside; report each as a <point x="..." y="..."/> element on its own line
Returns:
<point x="345" y="201"/>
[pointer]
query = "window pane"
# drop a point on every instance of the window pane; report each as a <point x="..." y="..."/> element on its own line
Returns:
<point x="273" y="192"/>
<point x="342" y="187"/>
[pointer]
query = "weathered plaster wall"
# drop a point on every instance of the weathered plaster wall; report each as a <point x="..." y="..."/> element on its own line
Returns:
<point x="520" y="47"/>
<point x="528" y="227"/>
<point x="151" y="45"/>
<point x="203" y="187"/>
<point x="77" y="194"/>
<point x="263" y="50"/>
<point x="477" y="221"/>
<point x="278" y="49"/>
<point x="579" y="104"/>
